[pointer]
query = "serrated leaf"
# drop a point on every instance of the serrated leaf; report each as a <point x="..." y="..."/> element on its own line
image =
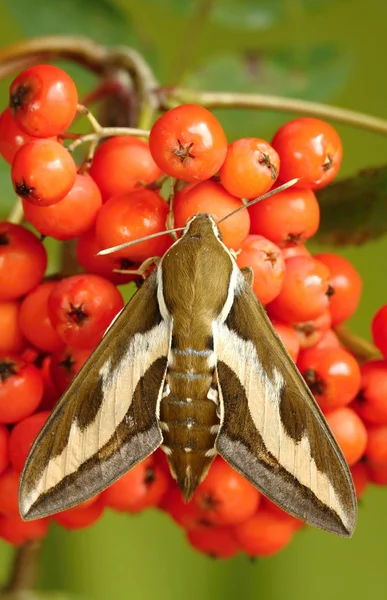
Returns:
<point x="354" y="210"/>
<point x="313" y="73"/>
<point x="99" y="19"/>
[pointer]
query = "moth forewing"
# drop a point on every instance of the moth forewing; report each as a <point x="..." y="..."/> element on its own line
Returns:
<point x="272" y="430"/>
<point x="106" y="421"/>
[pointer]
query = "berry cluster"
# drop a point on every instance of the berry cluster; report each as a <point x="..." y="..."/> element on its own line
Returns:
<point x="49" y="326"/>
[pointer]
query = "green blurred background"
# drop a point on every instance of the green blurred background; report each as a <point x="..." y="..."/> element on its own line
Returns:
<point x="327" y="50"/>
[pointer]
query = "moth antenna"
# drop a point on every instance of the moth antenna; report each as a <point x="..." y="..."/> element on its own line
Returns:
<point x="137" y="241"/>
<point x="281" y="188"/>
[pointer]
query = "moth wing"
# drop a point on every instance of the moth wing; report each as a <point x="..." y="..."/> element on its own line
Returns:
<point x="272" y="430"/>
<point x="106" y="421"/>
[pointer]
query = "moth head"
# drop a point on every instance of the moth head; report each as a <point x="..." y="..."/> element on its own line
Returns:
<point x="201" y="225"/>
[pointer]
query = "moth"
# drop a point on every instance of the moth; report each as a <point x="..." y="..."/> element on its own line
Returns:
<point x="192" y="364"/>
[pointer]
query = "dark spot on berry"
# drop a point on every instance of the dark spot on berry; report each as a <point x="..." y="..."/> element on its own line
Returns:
<point x="7" y="369"/>
<point x="264" y="159"/>
<point x="308" y="328"/>
<point x="4" y="239"/>
<point x="149" y="476"/>
<point x="330" y="291"/>
<point x="294" y="238"/>
<point x="68" y="364"/>
<point x="208" y="502"/>
<point x="328" y="163"/>
<point x="271" y="257"/>
<point x="77" y="314"/>
<point x="183" y="152"/>
<point x="19" y="97"/>
<point x="23" y="190"/>
<point x="315" y="383"/>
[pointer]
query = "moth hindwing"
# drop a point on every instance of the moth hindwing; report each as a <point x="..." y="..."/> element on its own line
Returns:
<point x="194" y="365"/>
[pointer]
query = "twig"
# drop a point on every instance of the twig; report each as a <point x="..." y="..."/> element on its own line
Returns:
<point x="173" y="97"/>
<point x="25" y="568"/>
<point x="17" y="214"/>
<point x="359" y="347"/>
<point x="106" y="132"/>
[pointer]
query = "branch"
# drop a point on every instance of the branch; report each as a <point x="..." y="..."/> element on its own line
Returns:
<point x="173" y="97"/>
<point x="25" y="568"/>
<point x="360" y="348"/>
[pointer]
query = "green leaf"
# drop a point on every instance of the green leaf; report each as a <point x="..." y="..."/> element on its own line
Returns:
<point x="354" y="210"/>
<point x="40" y="595"/>
<point x="98" y="19"/>
<point x="313" y="73"/>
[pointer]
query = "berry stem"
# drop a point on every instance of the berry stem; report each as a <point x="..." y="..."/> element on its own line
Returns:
<point x="360" y="348"/>
<point x="83" y="110"/>
<point x="17" y="214"/>
<point x="170" y="98"/>
<point x="106" y="132"/>
<point x="25" y="568"/>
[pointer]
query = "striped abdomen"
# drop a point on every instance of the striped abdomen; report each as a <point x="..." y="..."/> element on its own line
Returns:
<point x="188" y="416"/>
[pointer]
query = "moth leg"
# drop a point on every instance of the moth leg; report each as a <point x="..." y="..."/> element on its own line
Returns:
<point x="143" y="269"/>
<point x="248" y="274"/>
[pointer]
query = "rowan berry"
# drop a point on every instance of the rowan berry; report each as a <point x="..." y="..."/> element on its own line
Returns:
<point x="43" y="100"/>
<point x="309" y="149"/>
<point x="332" y="374"/>
<point x="65" y="364"/>
<point x="288" y="337"/>
<point x="23" y="436"/>
<point x="347" y="284"/>
<point x="21" y="389"/>
<point x="211" y="198"/>
<point x="250" y="168"/>
<point x="81" y="308"/>
<point x="122" y="164"/>
<point x="81" y="516"/>
<point x="264" y="533"/>
<point x="225" y="497"/>
<point x="132" y="215"/>
<point x="376" y="451"/>
<point x="43" y="172"/>
<point x="310" y="332"/>
<point x="23" y="261"/>
<point x="11" y="136"/>
<point x="73" y="216"/>
<point x="359" y="472"/>
<point x="9" y="491"/>
<point x="18" y="532"/>
<point x="289" y="217"/>
<point x="35" y="322"/>
<point x="371" y="402"/>
<point x="379" y="329"/>
<point x="188" y="143"/>
<point x="349" y="431"/>
<point x="11" y="338"/>
<point x="216" y="542"/>
<point x="305" y="291"/>
<point x="267" y="263"/>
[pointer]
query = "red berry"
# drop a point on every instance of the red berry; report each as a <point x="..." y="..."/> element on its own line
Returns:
<point x="292" y="250"/>
<point x="142" y="487"/>
<point x="291" y="216"/>
<point x="43" y="172"/>
<point x="82" y="307"/>
<point x="11" y="136"/>
<point x="23" y="261"/>
<point x="186" y="514"/>
<point x="210" y="197"/>
<point x="332" y="374"/>
<point x="310" y="332"/>
<point x="188" y="143"/>
<point x="379" y="329"/>
<point x="305" y="291"/>
<point x="217" y="542"/>
<point x="130" y="216"/>
<point x="250" y="168"/>
<point x="51" y="394"/>
<point x="87" y="250"/>
<point x="21" y="389"/>
<point x="43" y="100"/>
<point x="4" y="448"/>
<point x="122" y="164"/>
<point x="23" y="436"/>
<point x="276" y="510"/>
<point x="225" y="497"/>
<point x="35" y="322"/>
<point x="9" y="491"/>
<point x="310" y="149"/>
<point x="65" y="364"/>
<point x="267" y="263"/>
<point x="377" y="474"/>
<point x="359" y="473"/>
<point x="18" y="532"/>
<point x="347" y="285"/>
<point x="349" y="431"/>
<point x="376" y="451"/>
<point x="328" y="340"/>
<point x="264" y="534"/>
<point x="11" y="338"/>
<point x="73" y="216"/>
<point x="371" y="403"/>
<point x="288" y="337"/>
<point x="81" y="516"/>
